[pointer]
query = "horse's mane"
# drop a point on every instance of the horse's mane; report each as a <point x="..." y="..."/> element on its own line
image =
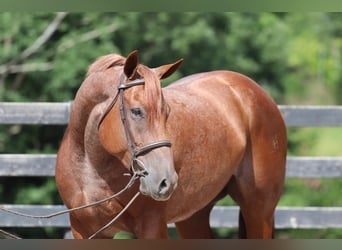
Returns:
<point x="104" y="62"/>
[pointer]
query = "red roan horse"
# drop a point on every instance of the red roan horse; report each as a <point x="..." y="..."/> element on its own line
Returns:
<point x="197" y="140"/>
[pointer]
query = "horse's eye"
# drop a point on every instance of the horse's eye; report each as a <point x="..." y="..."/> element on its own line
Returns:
<point x="137" y="113"/>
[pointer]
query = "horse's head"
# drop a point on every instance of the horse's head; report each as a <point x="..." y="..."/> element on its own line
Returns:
<point x="134" y="127"/>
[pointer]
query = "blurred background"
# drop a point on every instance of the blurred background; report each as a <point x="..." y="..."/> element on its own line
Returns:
<point x="295" y="57"/>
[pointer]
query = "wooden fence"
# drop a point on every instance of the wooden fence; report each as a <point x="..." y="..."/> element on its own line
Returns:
<point x="286" y="217"/>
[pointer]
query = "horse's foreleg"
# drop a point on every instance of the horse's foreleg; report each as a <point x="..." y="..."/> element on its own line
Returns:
<point x="152" y="230"/>
<point x="151" y="223"/>
<point x="75" y="229"/>
<point x="197" y="226"/>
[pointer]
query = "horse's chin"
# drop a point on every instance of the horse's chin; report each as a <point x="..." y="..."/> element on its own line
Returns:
<point x="157" y="197"/>
<point x="161" y="198"/>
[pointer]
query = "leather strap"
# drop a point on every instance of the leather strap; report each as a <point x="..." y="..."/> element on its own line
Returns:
<point x="134" y="151"/>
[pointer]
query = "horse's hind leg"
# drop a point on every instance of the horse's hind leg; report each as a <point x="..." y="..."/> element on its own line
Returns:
<point x="253" y="227"/>
<point x="242" y="227"/>
<point x="256" y="217"/>
<point x="197" y="226"/>
<point x="256" y="186"/>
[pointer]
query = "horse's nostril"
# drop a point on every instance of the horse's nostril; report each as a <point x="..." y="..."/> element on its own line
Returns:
<point x="164" y="186"/>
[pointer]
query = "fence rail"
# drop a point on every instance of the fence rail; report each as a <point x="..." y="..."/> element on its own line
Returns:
<point x="42" y="165"/>
<point x="221" y="216"/>
<point x="58" y="114"/>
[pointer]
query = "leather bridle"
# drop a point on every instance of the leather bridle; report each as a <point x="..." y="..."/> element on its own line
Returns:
<point x="135" y="151"/>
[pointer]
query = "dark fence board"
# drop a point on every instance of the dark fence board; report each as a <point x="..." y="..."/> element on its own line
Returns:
<point x="11" y="220"/>
<point x="312" y="116"/>
<point x="314" y="167"/>
<point x="44" y="165"/>
<point x="309" y="217"/>
<point x="285" y="217"/>
<point x="58" y="113"/>
<point x="34" y="113"/>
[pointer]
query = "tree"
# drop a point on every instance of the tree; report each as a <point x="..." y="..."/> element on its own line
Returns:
<point x="44" y="57"/>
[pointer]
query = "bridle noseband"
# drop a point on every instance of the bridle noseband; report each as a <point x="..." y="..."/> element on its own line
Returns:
<point x="135" y="151"/>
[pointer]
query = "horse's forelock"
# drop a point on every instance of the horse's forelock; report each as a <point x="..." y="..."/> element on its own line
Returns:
<point x="152" y="91"/>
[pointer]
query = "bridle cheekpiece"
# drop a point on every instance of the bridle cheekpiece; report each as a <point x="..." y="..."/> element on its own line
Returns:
<point x="135" y="152"/>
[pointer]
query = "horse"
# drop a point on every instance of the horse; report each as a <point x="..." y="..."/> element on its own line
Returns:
<point x="201" y="138"/>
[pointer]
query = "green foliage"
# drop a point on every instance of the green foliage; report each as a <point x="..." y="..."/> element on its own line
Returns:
<point x="301" y="140"/>
<point x="296" y="57"/>
<point x="312" y="192"/>
<point x="38" y="193"/>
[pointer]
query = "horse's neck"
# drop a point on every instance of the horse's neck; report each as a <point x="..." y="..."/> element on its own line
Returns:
<point x="90" y="102"/>
<point x="80" y="119"/>
<point x="94" y="90"/>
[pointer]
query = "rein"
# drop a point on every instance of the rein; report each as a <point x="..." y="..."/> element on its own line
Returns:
<point x="129" y="184"/>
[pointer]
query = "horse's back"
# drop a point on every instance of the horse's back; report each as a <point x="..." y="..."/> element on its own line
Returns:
<point x="245" y="102"/>
<point x="232" y="88"/>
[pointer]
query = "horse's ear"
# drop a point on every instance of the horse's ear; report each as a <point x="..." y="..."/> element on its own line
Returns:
<point x="167" y="70"/>
<point x="131" y="64"/>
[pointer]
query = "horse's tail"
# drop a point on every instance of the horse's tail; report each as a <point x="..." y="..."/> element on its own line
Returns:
<point x="242" y="227"/>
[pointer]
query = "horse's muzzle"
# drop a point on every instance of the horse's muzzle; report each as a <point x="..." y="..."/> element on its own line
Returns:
<point x="161" y="190"/>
